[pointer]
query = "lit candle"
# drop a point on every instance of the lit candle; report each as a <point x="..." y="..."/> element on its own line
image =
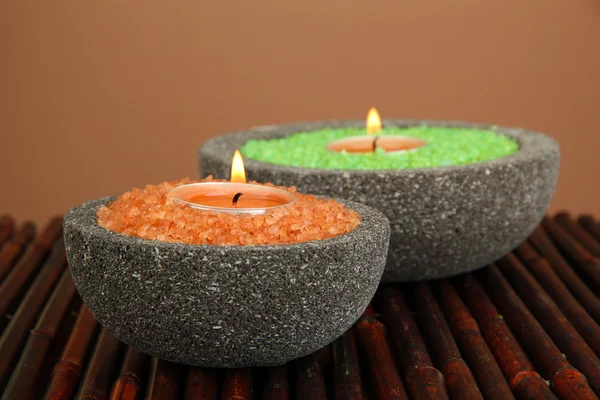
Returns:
<point x="235" y="197"/>
<point x="373" y="140"/>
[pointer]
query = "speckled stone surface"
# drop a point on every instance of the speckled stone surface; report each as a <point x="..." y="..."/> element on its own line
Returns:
<point x="225" y="306"/>
<point x="444" y="220"/>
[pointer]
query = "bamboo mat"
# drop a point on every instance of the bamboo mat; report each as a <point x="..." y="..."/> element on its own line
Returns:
<point x="526" y="327"/>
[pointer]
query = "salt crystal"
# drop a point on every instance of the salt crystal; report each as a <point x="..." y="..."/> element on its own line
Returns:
<point x="149" y="213"/>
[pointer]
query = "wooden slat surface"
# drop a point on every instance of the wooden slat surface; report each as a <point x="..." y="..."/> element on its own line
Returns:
<point x="525" y="328"/>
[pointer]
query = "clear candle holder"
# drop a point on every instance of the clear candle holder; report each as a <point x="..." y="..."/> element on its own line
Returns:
<point x="232" y="198"/>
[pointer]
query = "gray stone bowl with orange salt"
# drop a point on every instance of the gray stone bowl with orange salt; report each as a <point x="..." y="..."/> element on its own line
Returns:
<point x="445" y="220"/>
<point x="225" y="306"/>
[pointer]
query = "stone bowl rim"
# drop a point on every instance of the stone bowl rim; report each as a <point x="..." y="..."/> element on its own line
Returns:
<point x="530" y="143"/>
<point x="370" y="218"/>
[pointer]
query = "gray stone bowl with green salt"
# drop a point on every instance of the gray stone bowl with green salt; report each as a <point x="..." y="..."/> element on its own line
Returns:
<point x="470" y="195"/>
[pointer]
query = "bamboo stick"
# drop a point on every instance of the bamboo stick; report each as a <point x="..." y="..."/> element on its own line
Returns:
<point x="472" y="344"/>
<point x="67" y="372"/>
<point x="561" y="331"/>
<point x="371" y="337"/>
<point x="565" y="220"/>
<point x="277" y="386"/>
<point x="567" y="382"/>
<point x="580" y="290"/>
<point x="25" y="234"/>
<point x="423" y="381"/>
<point x="128" y="385"/>
<point x="582" y="258"/>
<point x="29" y="309"/>
<point x="238" y="384"/>
<point x="577" y="315"/>
<point x="310" y="384"/>
<point x="459" y="379"/>
<point x="7" y="226"/>
<point x="591" y="225"/>
<point x="51" y="233"/>
<point x="346" y="371"/>
<point x="164" y="382"/>
<point x="40" y="342"/>
<point x="96" y="380"/>
<point x="201" y="384"/>
<point x="325" y="356"/>
<point x="524" y="381"/>
<point x="16" y="281"/>
<point x="13" y="249"/>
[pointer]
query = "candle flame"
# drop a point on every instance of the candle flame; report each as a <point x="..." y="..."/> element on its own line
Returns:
<point x="373" y="122"/>
<point x="238" y="172"/>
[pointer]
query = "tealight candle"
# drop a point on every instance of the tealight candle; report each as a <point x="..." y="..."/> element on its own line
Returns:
<point x="235" y="197"/>
<point x="374" y="141"/>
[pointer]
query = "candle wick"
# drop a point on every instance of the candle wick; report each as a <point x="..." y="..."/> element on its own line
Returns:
<point x="375" y="143"/>
<point x="236" y="198"/>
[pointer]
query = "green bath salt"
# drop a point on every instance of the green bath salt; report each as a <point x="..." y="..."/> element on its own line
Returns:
<point x="445" y="146"/>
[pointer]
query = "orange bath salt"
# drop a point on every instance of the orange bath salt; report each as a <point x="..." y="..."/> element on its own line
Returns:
<point x="150" y="214"/>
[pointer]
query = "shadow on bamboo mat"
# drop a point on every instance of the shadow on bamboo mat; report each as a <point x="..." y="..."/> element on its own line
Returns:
<point x="526" y="327"/>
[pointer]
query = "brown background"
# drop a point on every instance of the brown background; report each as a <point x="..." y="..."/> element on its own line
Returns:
<point x="99" y="96"/>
